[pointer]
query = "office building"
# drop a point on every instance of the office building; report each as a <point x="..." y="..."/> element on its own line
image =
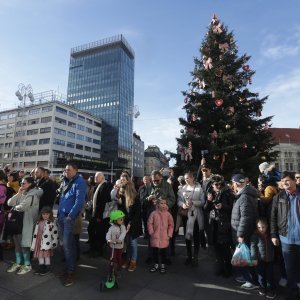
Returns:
<point x="101" y="82"/>
<point x="138" y="156"/>
<point x="49" y="133"/>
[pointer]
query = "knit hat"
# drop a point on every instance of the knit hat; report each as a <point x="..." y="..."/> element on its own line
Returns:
<point x="239" y="178"/>
<point x="263" y="166"/>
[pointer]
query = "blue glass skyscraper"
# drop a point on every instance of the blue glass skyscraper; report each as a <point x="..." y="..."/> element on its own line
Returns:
<point x="101" y="82"/>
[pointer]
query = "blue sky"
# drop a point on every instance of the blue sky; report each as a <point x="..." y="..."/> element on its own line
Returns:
<point x="36" y="38"/>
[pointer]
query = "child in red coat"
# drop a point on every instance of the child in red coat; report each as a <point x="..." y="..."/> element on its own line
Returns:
<point x="160" y="227"/>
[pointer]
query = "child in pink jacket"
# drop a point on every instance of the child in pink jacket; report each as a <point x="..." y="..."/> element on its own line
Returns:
<point x="160" y="227"/>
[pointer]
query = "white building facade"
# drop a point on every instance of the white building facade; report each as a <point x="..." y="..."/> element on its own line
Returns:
<point x="48" y="134"/>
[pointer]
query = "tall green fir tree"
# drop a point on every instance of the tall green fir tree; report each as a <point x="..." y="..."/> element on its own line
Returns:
<point x="223" y="121"/>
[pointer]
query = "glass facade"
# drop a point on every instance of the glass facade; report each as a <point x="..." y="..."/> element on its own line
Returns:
<point x="101" y="82"/>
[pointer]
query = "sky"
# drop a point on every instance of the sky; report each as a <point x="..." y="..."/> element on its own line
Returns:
<point x="36" y="38"/>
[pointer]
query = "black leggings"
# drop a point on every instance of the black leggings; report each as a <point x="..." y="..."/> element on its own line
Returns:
<point x="196" y="238"/>
<point x="163" y="254"/>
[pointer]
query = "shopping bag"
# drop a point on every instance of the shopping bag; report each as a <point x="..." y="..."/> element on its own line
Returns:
<point x="241" y="256"/>
<point x="14" y="222"/>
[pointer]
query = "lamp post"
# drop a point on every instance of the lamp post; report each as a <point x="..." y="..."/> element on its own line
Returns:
<point x="134" y="113"/>
<point x="23" y="92"/>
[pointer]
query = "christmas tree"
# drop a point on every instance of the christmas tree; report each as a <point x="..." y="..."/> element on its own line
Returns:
<point x="223" y="124"/>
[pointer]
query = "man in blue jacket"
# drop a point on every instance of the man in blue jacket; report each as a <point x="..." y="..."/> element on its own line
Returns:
<point x="70" y="206"/>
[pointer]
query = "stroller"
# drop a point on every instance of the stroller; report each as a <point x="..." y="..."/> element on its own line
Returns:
<point x="111" y="280"/>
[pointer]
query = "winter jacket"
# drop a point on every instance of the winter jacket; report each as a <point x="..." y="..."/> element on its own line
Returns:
<point x="219" y="229"/>
<point x="279" y="214"/>
<point x="244" y="213"/>
<point x="160" y="227"/>
<point x="28" y="202"/>
<point x="49" y="194"/>
<point x="116" y="232"/>
<point x="103" y="197"/>
<point x="198" y="200"/>
<point x="262" y="248"/>
<point x="165" y="191"/>
<point x="72" y="197"/>
<point x="132" y="216"/>
<point x="49" y="237"/>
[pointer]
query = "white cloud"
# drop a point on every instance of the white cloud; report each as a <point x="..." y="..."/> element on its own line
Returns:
<point x="283" y="103"/>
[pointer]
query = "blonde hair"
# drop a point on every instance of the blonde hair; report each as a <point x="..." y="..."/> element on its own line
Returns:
<point x="130" y="194"/>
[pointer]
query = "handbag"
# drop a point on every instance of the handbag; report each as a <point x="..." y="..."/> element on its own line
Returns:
<point x="183" y="211"/>
<point x="14" y="222"/>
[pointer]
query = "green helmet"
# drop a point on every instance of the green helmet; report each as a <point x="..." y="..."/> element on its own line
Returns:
<point x="115" y="215"/>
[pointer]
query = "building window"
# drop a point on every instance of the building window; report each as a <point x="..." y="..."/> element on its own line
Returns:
<point x="20" y="133"/>
<point x="287" y="166"/>
<point x="33" y="121"/>
<point x="60" y="121"/>
<point x="16" y="154"/>
<point x="78" y="146"/>
<point x="86" y="148"/>
<point x="96" y="150"/>
<point x="61" y="110"/>
<point x="59" y="142"/>
<point x="32" y="131"/>
<point x="8" y="145"/>
<point x="11" y="116"/>
<point x="80" y="137"/>
<point x="80" y="127"/>
<point x="72" y="114"/>
<point x="71" y="124"/>
<point x="10" y="125"/>
<point x="88" y="139"/>
<point x="2" y="127"/>
<point x="96" y="141"/>
<point x="97" y="124"/>
<point x="46" y="119"/>
<point x="47" y="108"/>
<point x="34" y="111"/>
<point x="9" y="135"/>
<point x="291" y="167"/>
<point x="70" y="145"/>
<point x="30" y="153"/>
<point x="81" y="118"/>
<point x="45" y="130"/>
<point x="59" y="131"/>
<point x="89" y="121"/>
<point x="44" y="141"/>
<point x="31" y="142"/>
<point x="96" y="132"/>
<point x="43" y="152"/>
<point x="7" y="155"/>
<point x="89" y="130"/>
<point x="71" y="134"/>
<point x="3" y="117"/>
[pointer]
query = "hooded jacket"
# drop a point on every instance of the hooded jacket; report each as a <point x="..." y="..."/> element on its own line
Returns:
<point x="244" y="213"/>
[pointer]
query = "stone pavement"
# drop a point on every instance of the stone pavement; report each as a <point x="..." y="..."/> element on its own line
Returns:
<point x="180" y="281"/>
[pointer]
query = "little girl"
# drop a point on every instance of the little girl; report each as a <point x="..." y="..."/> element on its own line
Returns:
<point x="116" y="235"/>
<point x="160" y="227"/>
<point x="262" y="252"/>
<point x="45" y="239"/>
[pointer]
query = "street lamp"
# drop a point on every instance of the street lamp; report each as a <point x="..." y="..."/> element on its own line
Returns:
<point x="22" y="94"/>
<point x="134" y="113"/>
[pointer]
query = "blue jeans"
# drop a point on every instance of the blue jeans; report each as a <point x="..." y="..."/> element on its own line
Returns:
<point x="291" y="256"/>
<point x="66" y="233"/>
<point x="132" y="247"/>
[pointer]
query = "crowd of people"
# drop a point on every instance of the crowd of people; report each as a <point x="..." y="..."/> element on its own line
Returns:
<point x="263" y="215"/>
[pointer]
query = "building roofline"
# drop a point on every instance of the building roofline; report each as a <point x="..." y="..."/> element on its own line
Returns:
<point x="104" y="43"/>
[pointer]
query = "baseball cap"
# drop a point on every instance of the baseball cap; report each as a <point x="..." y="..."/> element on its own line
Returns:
<point x="239" y="178"/>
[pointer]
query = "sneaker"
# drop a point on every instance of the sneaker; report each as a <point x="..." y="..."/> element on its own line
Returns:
<point x="262" y="291"/>
<point x="69" y="280"/>
<point x="39" y="270"/>
<point x="271" y="295"/>
<point x="154" y="268"/>
<point x="283" y="282"/>
<point x="240" y="279"/>
<point x="163" y="269"/>
<point x="249" y="286"/>
<point x="24" y="269"/>
<point x="45" y="270"/>
<point x="14" y="267"/>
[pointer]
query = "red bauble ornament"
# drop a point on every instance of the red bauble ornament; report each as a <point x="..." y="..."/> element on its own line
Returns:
<point x="219" y="102"/>
<point x="246" y="68"/>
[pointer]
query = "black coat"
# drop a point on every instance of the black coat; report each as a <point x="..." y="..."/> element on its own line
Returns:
<point x="49" y="195"/>
<point x="219" y="230"/>
<point x="133" y="217"/>
<point x="103" y="197"/>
